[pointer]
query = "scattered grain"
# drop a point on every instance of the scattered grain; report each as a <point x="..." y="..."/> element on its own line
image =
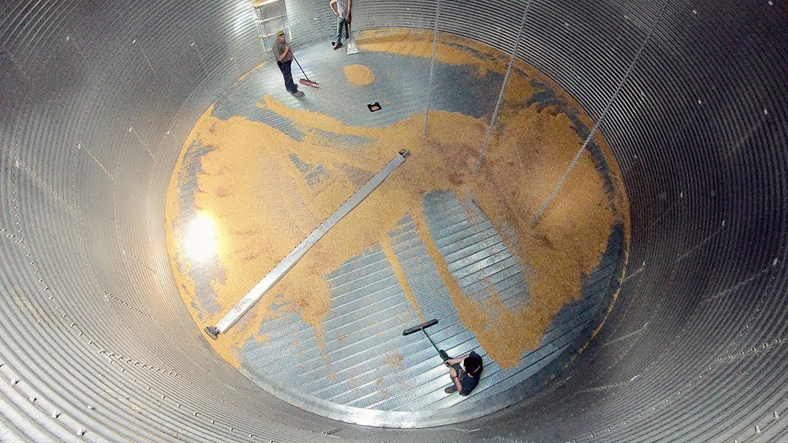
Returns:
<point x="264" y="206"/>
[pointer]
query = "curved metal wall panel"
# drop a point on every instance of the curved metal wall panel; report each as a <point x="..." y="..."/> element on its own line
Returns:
<point x="97" y="98"/>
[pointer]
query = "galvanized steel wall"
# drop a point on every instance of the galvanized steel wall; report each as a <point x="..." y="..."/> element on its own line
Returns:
<point x="97" y="98"/>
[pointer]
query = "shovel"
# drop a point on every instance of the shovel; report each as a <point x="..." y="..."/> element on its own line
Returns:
<point x="352" y="46"/>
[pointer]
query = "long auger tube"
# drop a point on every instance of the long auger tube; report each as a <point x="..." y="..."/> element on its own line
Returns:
<point x="257" y="292"/>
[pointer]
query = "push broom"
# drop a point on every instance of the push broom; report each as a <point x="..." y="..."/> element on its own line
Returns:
<point x="305" y="81"/>
<point x="422" y="327"/>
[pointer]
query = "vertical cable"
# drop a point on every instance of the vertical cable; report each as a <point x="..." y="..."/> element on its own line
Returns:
<point x="432" y="65"/>
<point x="503" y="89"/>
<point x="602" y="117"/>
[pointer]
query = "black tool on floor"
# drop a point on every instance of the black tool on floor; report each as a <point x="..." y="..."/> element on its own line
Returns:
<point x="305" y="81"/>
<point x="374" y="107"/>
<point x="422" y="327"/>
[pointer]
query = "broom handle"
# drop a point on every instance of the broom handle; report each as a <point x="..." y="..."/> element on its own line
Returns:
<point x="433" y="343"/>
<point x="299" y="66"/>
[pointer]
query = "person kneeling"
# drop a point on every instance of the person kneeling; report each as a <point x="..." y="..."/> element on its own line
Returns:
<point x="465" y="372"/>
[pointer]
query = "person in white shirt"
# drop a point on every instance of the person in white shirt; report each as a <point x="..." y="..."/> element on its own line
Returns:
<point x="341" y="8"/>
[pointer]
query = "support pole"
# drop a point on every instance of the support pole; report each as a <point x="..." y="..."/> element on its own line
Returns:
<point x="432" y="65"/>
<point x="257" y="292"/>
<point x="503" y="89"/>
<point x="601" y="117"/>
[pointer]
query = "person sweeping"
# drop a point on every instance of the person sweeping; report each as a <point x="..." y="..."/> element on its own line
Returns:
<point x="464" y="371"/>
<point x="284" y="58"/>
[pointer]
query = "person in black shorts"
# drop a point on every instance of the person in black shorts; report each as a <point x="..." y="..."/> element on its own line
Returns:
<point x="465" y="372"/>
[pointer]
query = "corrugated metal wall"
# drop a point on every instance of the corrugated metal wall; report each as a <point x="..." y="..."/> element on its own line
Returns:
<point x="97" y="98"/>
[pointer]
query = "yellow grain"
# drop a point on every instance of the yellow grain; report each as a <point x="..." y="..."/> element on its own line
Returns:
<point x="264" y="205"/>
<point x="388" y="251"/>
<point x="359" y="75"/>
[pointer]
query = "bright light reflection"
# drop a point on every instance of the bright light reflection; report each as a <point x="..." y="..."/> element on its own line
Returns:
<point x="200" y="239"/>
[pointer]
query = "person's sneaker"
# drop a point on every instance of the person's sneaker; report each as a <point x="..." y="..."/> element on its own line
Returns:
<point x="450" y="389"/>
<point x="298" y="94"/>
<point x="337" y="45"/>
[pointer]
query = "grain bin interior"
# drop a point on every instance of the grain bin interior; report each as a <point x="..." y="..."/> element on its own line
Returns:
<point x="99" y="102"/>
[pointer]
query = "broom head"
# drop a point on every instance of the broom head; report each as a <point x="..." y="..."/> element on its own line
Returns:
<point x="420" y="327"/>
<point x="308" y="82"/>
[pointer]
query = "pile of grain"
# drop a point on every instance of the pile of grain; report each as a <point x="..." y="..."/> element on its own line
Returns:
<point x="359" y="75"/>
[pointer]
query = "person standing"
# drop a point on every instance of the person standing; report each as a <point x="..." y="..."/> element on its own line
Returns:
<point x="341" y="8"/>
<point x="284" y="57"/>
